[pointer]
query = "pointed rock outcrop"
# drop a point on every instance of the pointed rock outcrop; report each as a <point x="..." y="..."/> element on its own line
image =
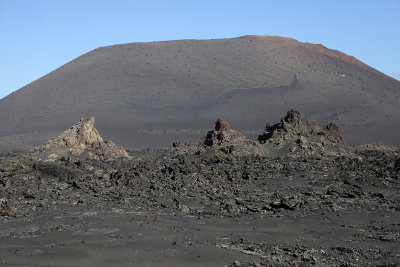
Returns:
<point x="295" y="130"/>
<point x="82" y="140"/>
<point x="222" y="134"/>
<point x="223" y="138"/>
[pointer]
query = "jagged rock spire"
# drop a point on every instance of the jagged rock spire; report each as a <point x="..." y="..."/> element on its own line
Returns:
<point x="222" y="133"/>
<point x="81" y="139"/>
<point x="223" y="138"/>
<point x="296" y="127"/>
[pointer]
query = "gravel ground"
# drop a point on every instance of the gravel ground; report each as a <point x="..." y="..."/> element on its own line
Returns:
<point x="256" y="210"/>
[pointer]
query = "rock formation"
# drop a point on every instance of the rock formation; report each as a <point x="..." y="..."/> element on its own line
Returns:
<point x="222" y="134"/>
<point x="301" y="135"/>
<point x="223" y="138"/>
<point x="82" y="139"/>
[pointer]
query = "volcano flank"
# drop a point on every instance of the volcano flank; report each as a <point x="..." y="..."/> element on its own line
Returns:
<point x="152" y="94"/>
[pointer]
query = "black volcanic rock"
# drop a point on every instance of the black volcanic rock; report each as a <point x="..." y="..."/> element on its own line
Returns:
<point x="295" y="128"/>
<point x="222" y="137"/>
<point x="255" y="208"/>
<point x="222" y="134"/>
<point x="397" y="165"/>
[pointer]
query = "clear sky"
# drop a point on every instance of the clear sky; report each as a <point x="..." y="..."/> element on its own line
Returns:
<point x="38" y="36"/>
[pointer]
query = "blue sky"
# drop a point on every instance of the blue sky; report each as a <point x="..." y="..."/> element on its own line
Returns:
<point x="38" y="36"/>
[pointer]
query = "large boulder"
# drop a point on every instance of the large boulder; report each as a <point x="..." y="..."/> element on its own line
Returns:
<point x="81" y="140"/>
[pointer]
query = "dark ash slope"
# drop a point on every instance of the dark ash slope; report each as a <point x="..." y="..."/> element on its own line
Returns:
<point x="179" y="87"/>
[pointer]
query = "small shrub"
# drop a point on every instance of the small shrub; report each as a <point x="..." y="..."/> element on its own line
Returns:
<point x="220" y="156"/>
<point x="16" y="166"/>
<point x="317" y="156"/>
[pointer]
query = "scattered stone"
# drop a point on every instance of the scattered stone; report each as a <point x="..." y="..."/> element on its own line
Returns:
<point x="176" y="144"/>
<point x="397" y="165"/>
<point x="6" y="209"/>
